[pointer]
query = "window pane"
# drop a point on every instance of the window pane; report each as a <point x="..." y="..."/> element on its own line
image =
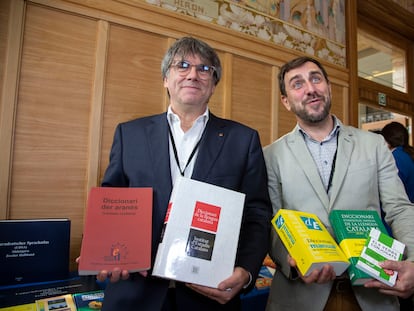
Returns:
<point x="381" y="62"/>
<point x="374" y="119"/>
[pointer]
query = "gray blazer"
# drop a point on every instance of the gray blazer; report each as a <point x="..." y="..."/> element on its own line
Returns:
<point x="365" y="175"/>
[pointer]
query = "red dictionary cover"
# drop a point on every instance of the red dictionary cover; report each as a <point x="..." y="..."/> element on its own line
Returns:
<point x="117" y="230"/>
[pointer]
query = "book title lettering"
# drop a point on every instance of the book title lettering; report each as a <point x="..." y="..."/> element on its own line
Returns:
<point x="200" y="244"/>
<point x="206" y="216"/>
<point x="311" y="223"/>
<point x="320" y="244"/>
<point x="359" y="223"/>
<point x="127" y="207"/>
<point x="21" y="248"/>
<point x="92" y="296"/>
<point x="384" y="249"/>
<point x="285" y="231"/>
<point x="203" y="229"/>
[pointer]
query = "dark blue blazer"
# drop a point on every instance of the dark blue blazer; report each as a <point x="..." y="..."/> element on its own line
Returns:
<point x="230" y="155"/>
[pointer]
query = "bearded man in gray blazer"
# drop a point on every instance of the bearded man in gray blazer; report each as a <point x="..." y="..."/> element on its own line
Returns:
<point x="320" y="166"/>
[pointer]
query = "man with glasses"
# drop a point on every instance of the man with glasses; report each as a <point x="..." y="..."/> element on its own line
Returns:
<point x="189" y="140"/>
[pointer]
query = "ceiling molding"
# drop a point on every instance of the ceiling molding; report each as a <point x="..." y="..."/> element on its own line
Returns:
<point x="388" y="14"/>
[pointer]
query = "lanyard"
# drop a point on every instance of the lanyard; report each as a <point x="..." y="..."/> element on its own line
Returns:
<point x="333" y="165"/>
<point x="176" y="153"/>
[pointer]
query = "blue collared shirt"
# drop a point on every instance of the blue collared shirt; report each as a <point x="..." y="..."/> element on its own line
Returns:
<point x="323" y="153"/>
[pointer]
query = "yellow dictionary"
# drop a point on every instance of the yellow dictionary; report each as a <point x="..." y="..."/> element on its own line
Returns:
<point x="25" y="307"/>
<point x="308" y="241"/>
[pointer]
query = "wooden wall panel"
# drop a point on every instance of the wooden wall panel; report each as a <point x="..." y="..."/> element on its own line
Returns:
<point x="286" y="121"/>
<point x="12" y="13"/>
<point x="251" y="95"/>
<point x="134" y="86"/>
<point x="4" y="19"/>
<point x="220" y="101"/>
<point x="338" y="100"/>
<point x="51" y="131"/>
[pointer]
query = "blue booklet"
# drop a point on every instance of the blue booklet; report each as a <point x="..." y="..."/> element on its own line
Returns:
<point x="34" y="250"/>
<point x="89" y="300"/>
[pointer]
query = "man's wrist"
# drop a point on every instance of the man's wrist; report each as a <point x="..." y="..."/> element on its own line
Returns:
<point x="249" y="282"/>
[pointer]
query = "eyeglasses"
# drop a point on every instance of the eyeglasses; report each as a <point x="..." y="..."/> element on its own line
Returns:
<point x="203" y="71"/>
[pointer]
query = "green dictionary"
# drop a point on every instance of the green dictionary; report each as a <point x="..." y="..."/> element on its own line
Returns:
<point x="351" y="229"/>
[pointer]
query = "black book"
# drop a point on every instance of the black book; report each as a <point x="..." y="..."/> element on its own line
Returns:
<point x="34" y="250"/>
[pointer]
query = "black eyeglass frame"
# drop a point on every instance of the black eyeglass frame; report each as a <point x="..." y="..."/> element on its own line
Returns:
<point x="203" y="70"/>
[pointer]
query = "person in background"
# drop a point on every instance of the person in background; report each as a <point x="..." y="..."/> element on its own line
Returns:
<point x="396" y="135"/>
<point x="189" y="140"/>
<point x="323" y="165"/>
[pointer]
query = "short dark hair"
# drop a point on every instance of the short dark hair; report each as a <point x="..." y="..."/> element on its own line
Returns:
<point x="395" y="134"/>
<point x="293" y="64"/>
<point x="192" y="46"/>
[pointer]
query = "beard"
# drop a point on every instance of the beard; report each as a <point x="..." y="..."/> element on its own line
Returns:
<point x="312" y="116"/>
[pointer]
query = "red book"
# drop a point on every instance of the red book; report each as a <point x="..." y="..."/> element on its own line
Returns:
<point x="117" y="230"/>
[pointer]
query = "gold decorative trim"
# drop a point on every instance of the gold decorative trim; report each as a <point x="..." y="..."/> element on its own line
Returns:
<point x="245" y="19"/>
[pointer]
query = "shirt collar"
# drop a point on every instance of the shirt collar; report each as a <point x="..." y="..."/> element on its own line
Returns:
<point x="337" y="126"/>
<point x="173" y="117"/>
